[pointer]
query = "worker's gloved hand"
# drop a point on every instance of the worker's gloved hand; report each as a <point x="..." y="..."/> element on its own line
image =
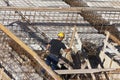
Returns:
<point x="45" y="54"/>
<point x="70" y="49"/>
<point x="47" y="51"/>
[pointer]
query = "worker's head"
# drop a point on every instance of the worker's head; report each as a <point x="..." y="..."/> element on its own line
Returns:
<point x="61" y="35"/>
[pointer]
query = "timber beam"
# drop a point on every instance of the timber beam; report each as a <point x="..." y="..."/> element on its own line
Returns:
<point x="113" y="37"/>
<point x="60" y="9"/>
<point x="3" y="75"/>
<point x="83" y="71"/>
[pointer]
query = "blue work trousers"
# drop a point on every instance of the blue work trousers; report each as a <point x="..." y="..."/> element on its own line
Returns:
<point x="52" y="61"/>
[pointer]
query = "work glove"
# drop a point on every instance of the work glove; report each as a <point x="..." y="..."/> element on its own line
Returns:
<point x="47" y="51"/>
<point x="45" y="54"/>
<point x="70" y="49"/>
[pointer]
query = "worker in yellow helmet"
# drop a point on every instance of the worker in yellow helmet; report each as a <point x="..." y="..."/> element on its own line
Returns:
<point x="61" y="35"/>
<point x="54" y="47"/>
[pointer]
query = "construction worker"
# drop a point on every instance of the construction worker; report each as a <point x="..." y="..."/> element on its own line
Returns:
<point x="54" y="46"/>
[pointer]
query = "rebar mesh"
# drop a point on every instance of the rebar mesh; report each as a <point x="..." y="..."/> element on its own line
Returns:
<point x="17" y="68"/>
<point x="103" y="3"/>
<point x="39" y="19"/>
<point x="37" y="27"/>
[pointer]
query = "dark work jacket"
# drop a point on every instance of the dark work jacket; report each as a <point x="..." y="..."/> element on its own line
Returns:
<point x="56" y="46"/>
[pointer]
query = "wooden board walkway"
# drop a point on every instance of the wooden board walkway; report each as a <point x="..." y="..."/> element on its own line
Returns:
<point x="82" y="71"/>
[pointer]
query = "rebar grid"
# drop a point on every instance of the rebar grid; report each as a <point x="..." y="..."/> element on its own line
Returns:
<point x="19" y="68"/>
<point x="30" y="26"/>
<point x="62" y="18"/>
<point x="103" y="3"/>
<point x="40" y="20"/>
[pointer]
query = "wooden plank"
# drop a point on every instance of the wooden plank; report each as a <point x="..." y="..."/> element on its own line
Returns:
<point x="80" y="45"/>
<point x="106" y="43"/>
<point x="3" y="75"/>
<point x="113" y="49"/>
<point x="78" y="40"/>
<point x="67" y="9"/>
<point x="107" y="61"/>
<point x="68" y="55"/>
<point x="106" y="40"/>
<point x="102" y="52"/>
<point x="31" y="52"/>
<point x="113" y="38"/>
<point x="82" y="71"/>
<point x="89" y="67"/>
<point x="1" y="72"/>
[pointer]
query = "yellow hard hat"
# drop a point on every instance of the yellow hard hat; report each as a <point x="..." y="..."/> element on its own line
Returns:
<point x="61" y="34"/>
